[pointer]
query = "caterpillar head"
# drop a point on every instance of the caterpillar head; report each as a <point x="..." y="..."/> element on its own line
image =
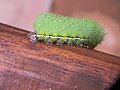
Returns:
<point x="33" y="38"/>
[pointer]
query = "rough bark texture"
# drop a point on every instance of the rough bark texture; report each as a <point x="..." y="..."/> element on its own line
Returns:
<point x="24" y="66"/>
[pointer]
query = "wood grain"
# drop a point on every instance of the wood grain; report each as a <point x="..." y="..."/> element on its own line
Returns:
<point x="24" y="66"/>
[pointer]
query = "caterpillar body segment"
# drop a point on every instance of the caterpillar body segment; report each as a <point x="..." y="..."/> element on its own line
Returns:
<point x="59" y="40"/>
<point x="52" y="28"/>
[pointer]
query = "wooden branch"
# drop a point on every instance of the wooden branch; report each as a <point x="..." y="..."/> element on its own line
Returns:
<point x="24" y="66"/>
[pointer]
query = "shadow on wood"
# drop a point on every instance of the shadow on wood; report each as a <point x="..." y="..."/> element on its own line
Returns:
<point x="24" y="66"/>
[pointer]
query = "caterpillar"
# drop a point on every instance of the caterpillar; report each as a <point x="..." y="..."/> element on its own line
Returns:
<point x="51" y="28"/>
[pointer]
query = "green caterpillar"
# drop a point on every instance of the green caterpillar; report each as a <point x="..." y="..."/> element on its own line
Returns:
<point x="52" y="28"/>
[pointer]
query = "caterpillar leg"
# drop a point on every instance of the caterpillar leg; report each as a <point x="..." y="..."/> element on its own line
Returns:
<point x="70" y="42"/>
<point x="32" y="37"/>
<point x="83" y="43"/>
<point x="60" y="42"/>
<point x="50" y="41"/>
<point x="46" y="39"/>
<point x="90" y="47"/>
<point x="79" y="43"/>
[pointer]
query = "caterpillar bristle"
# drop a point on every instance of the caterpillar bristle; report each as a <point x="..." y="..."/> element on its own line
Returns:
<point x="82" y="32"/>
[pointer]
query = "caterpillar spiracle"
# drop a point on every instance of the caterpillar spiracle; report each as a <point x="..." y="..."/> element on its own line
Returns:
<point x="52" y="28"/>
